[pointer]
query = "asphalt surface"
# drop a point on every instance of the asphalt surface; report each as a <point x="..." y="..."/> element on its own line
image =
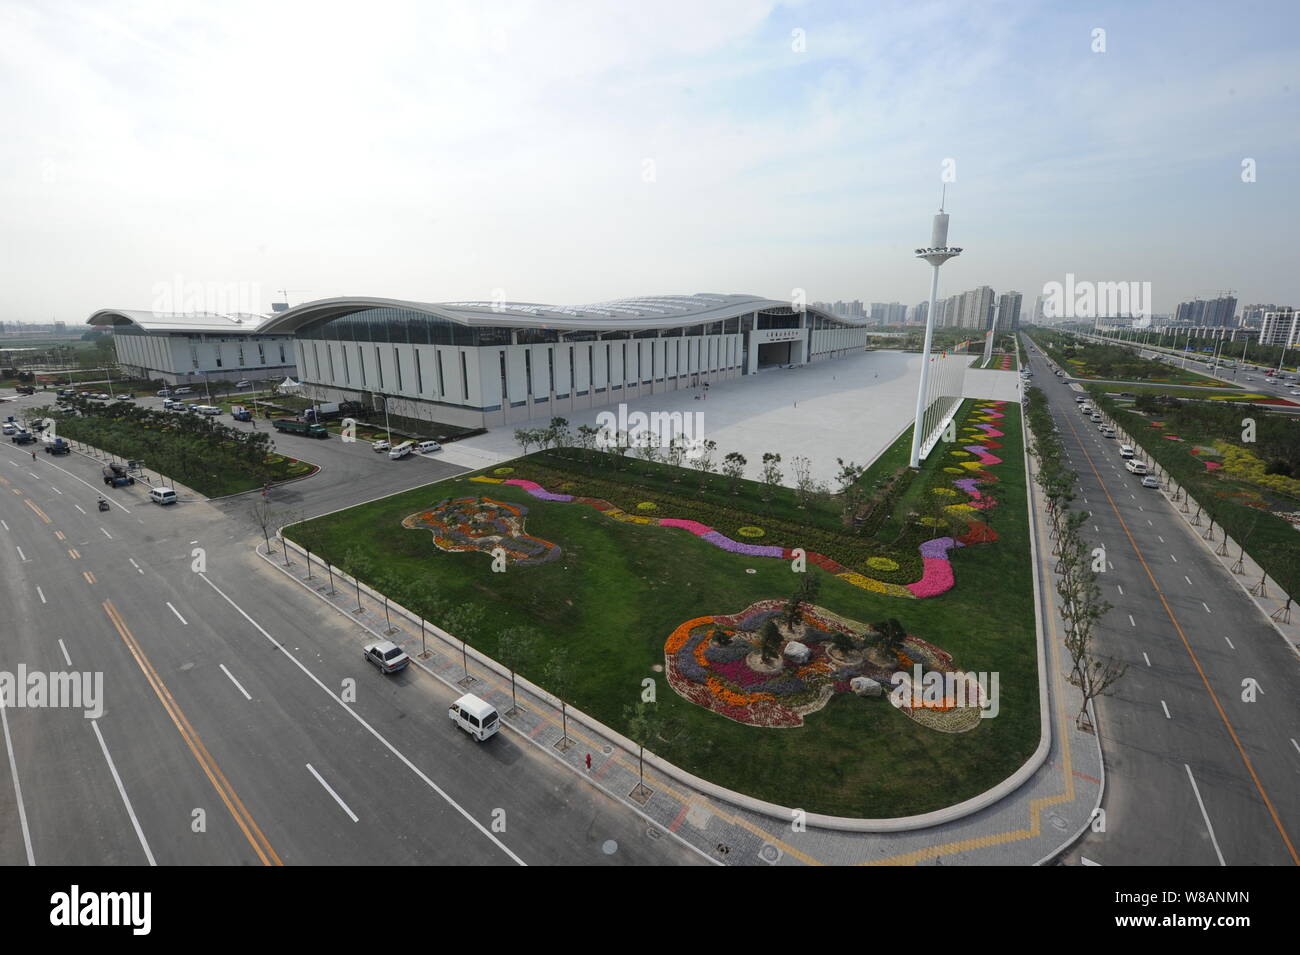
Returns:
<point x="1195" y="773"/>
<point x="240" y="724"/>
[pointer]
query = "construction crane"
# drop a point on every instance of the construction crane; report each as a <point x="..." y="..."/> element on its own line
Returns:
<point x="285" y="292"/>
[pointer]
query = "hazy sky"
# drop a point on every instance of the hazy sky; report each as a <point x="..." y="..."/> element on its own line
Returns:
<point x="576" y="152"/>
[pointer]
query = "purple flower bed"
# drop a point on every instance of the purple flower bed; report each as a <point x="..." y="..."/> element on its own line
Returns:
<point x="686" y="663"/>
<point x="737" y="650"/>
<point x="755" y="622"/>
<point x="718" y="539"/>
<point x="937" y="548"/>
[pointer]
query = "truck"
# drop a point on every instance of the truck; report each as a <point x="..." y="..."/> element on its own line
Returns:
<point x="24" y="437"/>
<point x="240" y="413"/>
<point x="328" y="410"/>
<point x="58" y="446"/>
<point x="25" y="390"/>
<point x="115" y="476"/>
<point x="293" y="426"/>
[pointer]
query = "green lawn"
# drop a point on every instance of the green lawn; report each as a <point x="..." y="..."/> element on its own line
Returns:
<point x="620" y="589"/>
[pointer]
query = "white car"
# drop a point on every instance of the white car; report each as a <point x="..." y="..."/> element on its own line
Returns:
<point x="427" y="447"/>
<point x="1150" y="480"/>
<point x="380" y="446"/>
<point x="1294" y="391"/>
<point x="243" y="384"/>
<point x="386" y="655"/>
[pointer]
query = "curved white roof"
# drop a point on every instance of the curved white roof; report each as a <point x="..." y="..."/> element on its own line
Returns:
<point x="646" y="312"/>
<point x="180" y="321"/>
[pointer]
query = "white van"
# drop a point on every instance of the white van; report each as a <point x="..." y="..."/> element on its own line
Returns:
<point x="185" y="390"/>
<point x="162" y="495"/>
<point x="208" y="409"/>
<point x="425" y="447"/>
<point x="1126" y="450"/>
<point x="1136" y="467"/>
<point x="401" y="451"/>
<point x="476" y="717"/>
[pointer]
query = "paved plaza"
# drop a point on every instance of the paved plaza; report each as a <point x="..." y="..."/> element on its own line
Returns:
<point x="851" y="407"/>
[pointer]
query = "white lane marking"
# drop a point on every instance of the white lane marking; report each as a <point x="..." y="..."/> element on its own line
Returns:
<point x="1130" y="621"/>
<point x="1096" y="528"/>
<point x="78" y="507"/>
<point x="1204" y="814"/>
<point x="18" y="789"/>
<point x="14" y="463"/>
<point x="1173" y="558"/>
<point x="66" y="659"/>
<point x="1230" y="646"/>
<point x="1145" y="657"/>
<point x="1121" y="589"/>
<point x="1149" y="524"/>
<point x="55" y="490"/>
<point x="144" y="843"/>
<point x="5" y="525"/>
<point x="370" y="729"/>
<point x="1141" y="508"/>
<point x="80" y="481"/>
<point x="40" y="593"/>
<point x="20" y="552"/>
<point x="106" y="533"/>
<point x="1159" y="538"/>
<point x="234" y="681"/>
<point x="337" y="798"/>
<point x="135" y="565"/>
<point x="1188" y="579"/>
<point x="1206" y="606"/>
<point x="1166" y="709"/>
<point x="1295" y="744"/>
<point x="178" y="614"/>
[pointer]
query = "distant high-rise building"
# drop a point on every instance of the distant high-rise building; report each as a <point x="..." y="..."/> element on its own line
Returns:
<point x="1252" y="316"/>
<point x="1009" y="311"/>
<point x="1280" y="327"/>
<point x="1212" y="313"/>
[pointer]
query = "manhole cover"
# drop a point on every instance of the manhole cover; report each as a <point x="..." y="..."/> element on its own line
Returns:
<point x="607" y="749"/>
<point x="654" y="833"/>
<point x="609" y="847"/>
<point x="1056" y="821"/>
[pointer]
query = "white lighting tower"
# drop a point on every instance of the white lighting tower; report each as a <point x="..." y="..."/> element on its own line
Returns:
<point x="937" y="254"/>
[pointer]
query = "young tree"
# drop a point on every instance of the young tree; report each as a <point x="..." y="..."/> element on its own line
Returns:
<point x="264" y="517"/>
<point x="890" y="635"/>
<point x="771" y="474"/>
<point x="733" y="467"/>
<point x="848" y="474"/>
<point x="643" y="726"/>
<point x="587" y="439"/>
<point x="704" y="462"/>
<point x="524" y="438"/>
<point x="558" y="674"/>
<point x="770" y="642"/>
<point x="465" y="623"/>
<point x="559" y="434"/>
<point x="515" y="647"/>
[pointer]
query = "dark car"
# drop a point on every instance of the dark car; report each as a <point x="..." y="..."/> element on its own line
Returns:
<point x="115" y="476"/>
<point x="24" y="437"/>
<point x="58" y="446"/>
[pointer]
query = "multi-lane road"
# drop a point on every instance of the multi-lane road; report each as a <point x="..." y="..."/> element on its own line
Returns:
<point x="240" y="724"/>
<point x="1201" y="769"/>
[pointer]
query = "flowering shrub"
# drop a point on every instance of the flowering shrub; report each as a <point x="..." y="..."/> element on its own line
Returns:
<point x="481" y="524"/>
<point x="751" y="531"/>
<point x="882" y="563"/>
<point x="647" y="506"/>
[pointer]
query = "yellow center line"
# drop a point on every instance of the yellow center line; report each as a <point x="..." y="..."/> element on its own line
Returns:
<point x="1241" y="750"/>
<point x="233" y="804"/>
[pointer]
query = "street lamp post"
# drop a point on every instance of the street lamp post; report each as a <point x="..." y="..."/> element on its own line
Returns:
<point x="937" y="254"/>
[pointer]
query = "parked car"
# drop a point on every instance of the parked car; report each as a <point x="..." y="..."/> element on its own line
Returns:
<point x="183" y="390"/>
<point x="388" y="656"/>
<point x="115" y="476"/>
<point x="427" y="447"/>
<point x="380" y="445"/>
<point x="244" y="384"/>
<point x="401" y="451"/>
<point x="23" y="437"/>
<point x="58" y="446"/>
<point x="162" y="495"/>
<point x="164" y="392"/>
<point x="1150" y="480"/>
<point x="475" y="716"/>
<point x="10" y="428"/>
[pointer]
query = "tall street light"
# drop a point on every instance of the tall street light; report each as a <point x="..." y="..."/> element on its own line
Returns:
<point x="937" y="254"/>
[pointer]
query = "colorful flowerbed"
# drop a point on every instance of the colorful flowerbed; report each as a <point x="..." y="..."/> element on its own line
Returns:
<point x="936" y="577"/>
<point x="481" y="524"/>
<point x="730" y="679"/>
